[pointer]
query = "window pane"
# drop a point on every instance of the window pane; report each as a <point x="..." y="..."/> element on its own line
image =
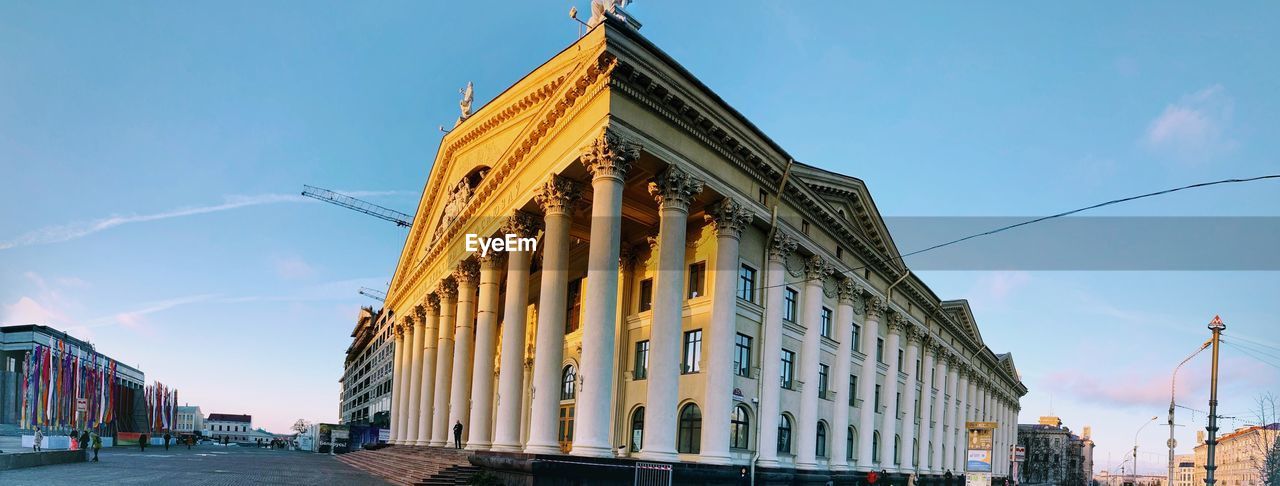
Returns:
<point x="697" y="277"/>
<point x="641" y="369"/>
<point x="646" y="295"/>
<point x="692" y="351"/>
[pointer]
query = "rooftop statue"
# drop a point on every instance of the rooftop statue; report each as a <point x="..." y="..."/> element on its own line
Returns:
<point x="468" y="95"/>
<point x="600" y="7"/>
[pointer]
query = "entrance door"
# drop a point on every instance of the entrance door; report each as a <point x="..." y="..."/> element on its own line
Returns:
<point x="566" y="428"/>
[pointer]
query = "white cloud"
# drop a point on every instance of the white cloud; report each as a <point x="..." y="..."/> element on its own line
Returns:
<point x="1194" y="128"/>
<point x="27" y="311"/>
<point x="71" y="231"/>
<point x="293" y="268"/>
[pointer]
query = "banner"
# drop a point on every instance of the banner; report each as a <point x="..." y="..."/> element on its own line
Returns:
<point x="56" y="378"/>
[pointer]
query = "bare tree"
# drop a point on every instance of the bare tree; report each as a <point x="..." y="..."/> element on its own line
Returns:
<point x="300" y="426"/>
<point x="1265" y="453"/>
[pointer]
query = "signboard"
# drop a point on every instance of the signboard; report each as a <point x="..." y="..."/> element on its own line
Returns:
<point x="977" y="479"/>
<point x="81" y="404"/>
<point x="979" y="461"/>
<point x="1019" y="453"/>
<point x="340" y="433"/>
<point x="384" y="435"/>
<point x="980" y="439"/>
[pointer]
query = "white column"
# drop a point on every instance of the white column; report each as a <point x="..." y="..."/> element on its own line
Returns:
<point x="939" y="411"/>
<point x="849" y="291"/>
<point x="511" y="372"/>
<point x="415" y="374"/>
<point x="867" y="383"/>
<point x="467" y="275"/>
<point x="674" y="189"/>
<point x="608" y="160"/>
<point x="398" y="417"/>
<point x="816" y="271"/>
<point x="953" y="414"/>
<point x="728" y="217"/>
<point x="440" y="426"/>
<point x="909" y="442"/>
<point x="426" y="399"/>
<point x="962" y="429"/>
<point x="889" y="423"/>
<point x="927" y="465"/>
<point x="481" y="414"/>
<point x="771" y="348"/>
<point x="556" y="197"/>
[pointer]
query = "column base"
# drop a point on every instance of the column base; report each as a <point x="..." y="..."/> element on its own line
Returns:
<point x="437" y="443"/>
<point x="666" y="456"/>
<point x="506" y="448"/>
<point x="542" y="449"/>
<point x="478" y="446"/>
<point x="591" y="451"/>
<point x="806" y="465"/>
<point x="838" y="467"/>
<point x="716" y="459"/>
<point x="767" y="462"/>
<point x="421" y="443"/>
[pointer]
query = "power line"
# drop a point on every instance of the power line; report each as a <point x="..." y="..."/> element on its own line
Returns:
<point x="1254" y="356"/>
<point x="1257" y="349"/>
<point x="1046" y="218"/>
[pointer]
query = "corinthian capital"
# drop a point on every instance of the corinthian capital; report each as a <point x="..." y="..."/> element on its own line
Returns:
<point x="399" y="330"/>
<point x="849" y="291"/>
<point x="558" y="194"/>
<point x="467" y="273"/>
<point x="610" y="155"/>
<point x="897" y="324"/>
<point x="728" y="217"/>
<point x="781" y="246"/>
<point x="448" y="289"/>
<point x="431" y="302"/>
<point x="674" y="188"/>
<point x="521" y="224"/>
<point x="876" y="307"/>
<point x="493" y="260"/>
<point x="817" y="268"/>
<point x="421" y="313"/>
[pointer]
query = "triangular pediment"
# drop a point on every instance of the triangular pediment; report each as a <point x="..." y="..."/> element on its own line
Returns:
<point x="1006" y="361"/>
<point x="960" y="311"/>
<point x="849" y="198"/>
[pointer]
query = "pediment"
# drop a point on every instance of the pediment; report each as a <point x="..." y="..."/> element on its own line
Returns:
<point x="849" y="198"/>
<point x="960" y="311"/>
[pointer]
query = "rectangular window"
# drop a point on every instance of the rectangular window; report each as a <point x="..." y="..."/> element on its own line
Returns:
<point x="880" y="349"/>
<point x="853" y="389"/>
<point x="763" y="196"/>
<point x="646" y="295"/>
<point x="788" y="369"/>
<point x="919" y="377"/>
<point x="747" y="283"/>
<point x="641" y="370"/>
<point x="692" y="351"/>
<point x="697" y="280"/>
<point x="877" y="398"/>
<point x="826" y="323"/>
<point x="897" y="403"/>
<point x="804" y="227"/>
<point x="789" y="302"/>
<point x="899" y="359"/>
<point x="824" y="372"/>
<point x="573" y="318"/>
<point x="857" y="337"/>
<point x="742" y="355"/>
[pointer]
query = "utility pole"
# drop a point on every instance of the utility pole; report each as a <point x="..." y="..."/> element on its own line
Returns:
<point x="1217" y="327"/>
<point x="1173" y="388"/>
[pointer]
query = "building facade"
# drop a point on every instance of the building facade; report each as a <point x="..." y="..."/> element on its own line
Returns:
<point x="366" y="375"/>
<point x="662" y="316"/>
<point x="232" y="427"/>
<point x="1055" y="455"/>
<point x="190" y="420"/>
<point x="1239" y="456"/>
<point x="1184" y="468"/>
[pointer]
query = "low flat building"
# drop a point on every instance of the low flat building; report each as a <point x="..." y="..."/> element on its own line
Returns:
<point x="365" y="398"/>
<point x="1239" y="455"/>
<point x="1055" y="455"/>
<point x="235" y="428"/>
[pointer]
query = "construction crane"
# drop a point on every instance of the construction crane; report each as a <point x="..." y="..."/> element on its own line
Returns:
<point x="375" y="294"/>
<point x="371" y="209"/>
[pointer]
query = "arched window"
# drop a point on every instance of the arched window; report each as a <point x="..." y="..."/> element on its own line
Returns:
<point x="637" y="429"/>
<point x="897" y="449"/>
<point x="690" y="440"/>
<point x="850" y="442"/>
<point x="820" y="449"/>
<point x="784" y="434"/>
<point x="739" y="428"/>
<point x="875" y="446"/>
<point x="566" y="382"/>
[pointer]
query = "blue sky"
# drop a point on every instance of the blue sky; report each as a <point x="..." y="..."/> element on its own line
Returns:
<point x="152" y="153"/>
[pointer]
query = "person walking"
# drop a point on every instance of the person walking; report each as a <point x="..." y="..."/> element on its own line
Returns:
<point x="97" y="444"/>
<point x="457" y="435"/>
<point x="166" y="440"/>
<point x="948" y="479"/>
<point x="84" y="443"/>
<point x="142" y="442"/>
<point x="188" y="441"/>
<point x="39" y="439"/>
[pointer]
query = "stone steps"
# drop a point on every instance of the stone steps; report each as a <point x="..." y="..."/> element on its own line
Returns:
<point x="414" y="465"/>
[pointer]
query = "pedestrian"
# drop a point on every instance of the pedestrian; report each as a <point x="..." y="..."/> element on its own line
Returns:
<point x="457" y="435"/>
<point x="873" y="477"/>
<point x="142" y="442"/>
<point x="84" y="443"/>
<point x="911" y="479"/>
<point x="188" y="441"/>
<point x="948" y="478"/>
<point x="97" y="444"/>
<point x="884" y="475"/>
<point x="166" y="440"/>
<point x="39" y="439"/>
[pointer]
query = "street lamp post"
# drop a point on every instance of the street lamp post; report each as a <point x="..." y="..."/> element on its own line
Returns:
<point x="1135" y="446"/>
<point x="1173" y="384"/>
<point x="1216" y="326"/>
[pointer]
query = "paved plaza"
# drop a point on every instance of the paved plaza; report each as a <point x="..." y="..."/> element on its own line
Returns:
<point x="211" y="465"/>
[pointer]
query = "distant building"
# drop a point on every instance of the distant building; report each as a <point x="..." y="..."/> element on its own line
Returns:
<point x="1054" y="455"/>
<point x="190" y="420"/>
<point x="16" y="342"/>
<point x="366" y="376"/>
<point x="236" y="428"/>
<point x="1105" y="478"/>
<point x="1239" y="455"/>
<point x="1184" y="469"/>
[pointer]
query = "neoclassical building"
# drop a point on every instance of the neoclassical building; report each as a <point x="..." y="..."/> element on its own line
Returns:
<point x="666" y="315"/>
